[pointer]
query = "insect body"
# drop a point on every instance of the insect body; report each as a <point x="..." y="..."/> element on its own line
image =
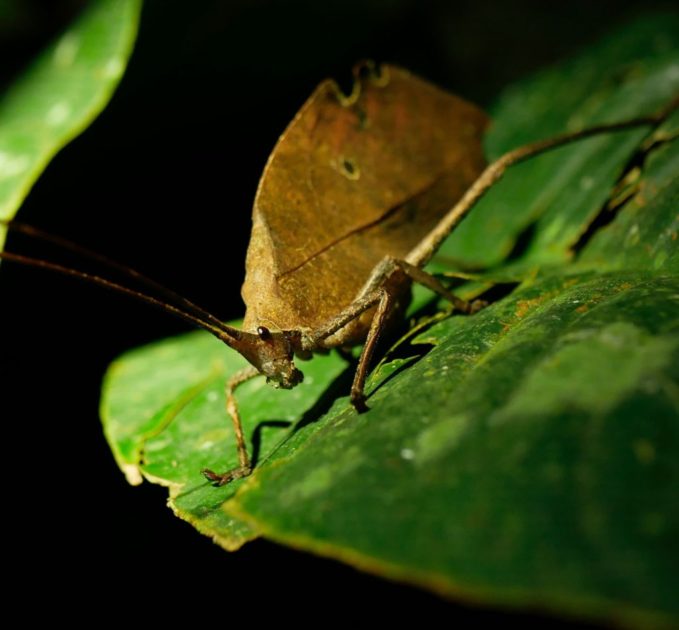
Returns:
<point x="357" y="196"/>
<point x="353" y="185"/>
<point x="351" y="181"/>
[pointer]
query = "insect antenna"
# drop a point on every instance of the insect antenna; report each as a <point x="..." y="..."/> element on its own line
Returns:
<point x="227" y="334"/>
<point x="67" y="245"/>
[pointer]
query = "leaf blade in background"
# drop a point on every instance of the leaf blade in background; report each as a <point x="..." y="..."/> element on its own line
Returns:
<point x="644" y="234"/>
<point x="632" y="72"/>
<point x="60" y="94"/>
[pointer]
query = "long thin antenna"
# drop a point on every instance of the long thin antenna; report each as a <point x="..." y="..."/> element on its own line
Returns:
<point x="65" y="244"/>
<point x="228" y="335"/>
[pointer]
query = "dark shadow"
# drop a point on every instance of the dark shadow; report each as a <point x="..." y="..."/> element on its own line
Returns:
<point x="522" y="243"/>
<point x="412" y="353"/>
<point x="498" y="291"/>
<point x="423" y="349"/>
<point x="257" y="436"/>
<point x="621" y="193"/>
<point x="339" y="387"/>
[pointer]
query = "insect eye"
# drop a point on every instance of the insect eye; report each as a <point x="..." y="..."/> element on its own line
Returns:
<point x="264" y="333"/>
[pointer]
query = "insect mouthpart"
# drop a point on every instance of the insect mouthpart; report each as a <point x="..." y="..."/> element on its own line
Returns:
<point x="285" y="375"/>
<point x="272" y="354"/>
<point x="285" y="378"/>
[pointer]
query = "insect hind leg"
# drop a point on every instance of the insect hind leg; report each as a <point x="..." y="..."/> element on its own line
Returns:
<point x="390" y="264"/>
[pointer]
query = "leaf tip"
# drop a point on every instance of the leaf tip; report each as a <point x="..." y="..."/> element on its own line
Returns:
<point x="132" y="474"/>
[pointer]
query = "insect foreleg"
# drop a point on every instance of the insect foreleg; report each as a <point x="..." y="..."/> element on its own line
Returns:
<point x="350" y="313"/>
<point x="379" y="283"/>
<point x="377" y="325"/>
<point x="245" y="468"/>
<point x="378" y="290"/>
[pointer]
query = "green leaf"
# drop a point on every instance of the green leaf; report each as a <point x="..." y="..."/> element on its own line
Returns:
<point x="531" y="457"/>
<point x="631" y="73"/>
<point x="165" y="417"/>
<point x="645" y="234"/>
<point x="478" y="473"/>
<point x="60" y="94"/>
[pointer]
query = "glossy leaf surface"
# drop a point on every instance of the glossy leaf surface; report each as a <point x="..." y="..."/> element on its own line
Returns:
<point x="530" y="458"/>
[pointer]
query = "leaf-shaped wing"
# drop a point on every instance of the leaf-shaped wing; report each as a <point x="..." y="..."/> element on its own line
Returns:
<point x="351" y="180"/>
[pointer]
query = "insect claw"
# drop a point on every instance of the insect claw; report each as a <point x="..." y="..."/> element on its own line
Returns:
<point x="221" y="479"/>
<point x="209" y="475"/>
<point x="358" y="401"/>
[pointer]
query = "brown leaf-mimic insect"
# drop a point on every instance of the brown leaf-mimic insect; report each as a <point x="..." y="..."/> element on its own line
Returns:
<point x="357" y="196"/>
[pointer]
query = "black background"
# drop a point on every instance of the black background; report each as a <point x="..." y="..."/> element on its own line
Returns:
<point x="163" y="180"/>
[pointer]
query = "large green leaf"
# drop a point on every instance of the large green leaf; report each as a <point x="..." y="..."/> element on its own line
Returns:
<point x="531" y="457"/>
<point x="631" y="73"/>
<point x="477" y="471"/>
<point x="165" y="418"/>
<point x="60" y="94"/>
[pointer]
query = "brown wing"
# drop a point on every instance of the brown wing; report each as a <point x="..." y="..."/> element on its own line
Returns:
<point x="351" y="180"/>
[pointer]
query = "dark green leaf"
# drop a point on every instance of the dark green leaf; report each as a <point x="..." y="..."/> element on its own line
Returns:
<point x="631" y="73"/>
<point x="531" y="458"/>
<point x="478" y="471"/>
<point x="646" y="234"/>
